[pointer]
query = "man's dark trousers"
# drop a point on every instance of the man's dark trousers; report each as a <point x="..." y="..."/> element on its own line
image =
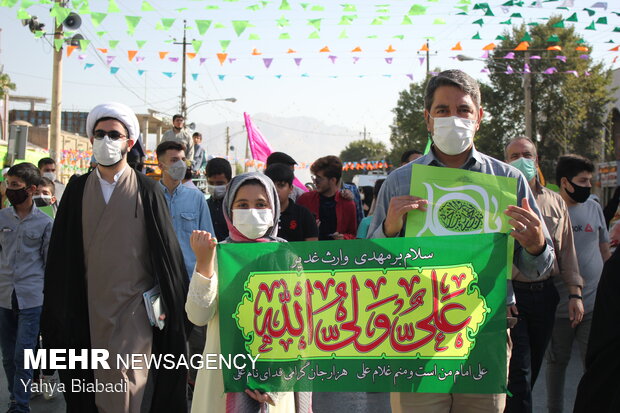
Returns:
<point x="536" y="303"/>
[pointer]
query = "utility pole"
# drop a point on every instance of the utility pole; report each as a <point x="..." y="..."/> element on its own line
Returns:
<point x="365" y="134"/>
<point x="527" y="97"/>
<point x="227" y="140"/>
<point x="183" y="82"/>
<point x="428" y="58"/>
<point x="56" y="112"/>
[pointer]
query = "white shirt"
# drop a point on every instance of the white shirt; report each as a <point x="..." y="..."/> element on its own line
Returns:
<point x="106" y="187"/>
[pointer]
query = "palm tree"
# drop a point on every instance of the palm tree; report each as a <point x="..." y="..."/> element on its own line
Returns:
<point x="5" y="84"/>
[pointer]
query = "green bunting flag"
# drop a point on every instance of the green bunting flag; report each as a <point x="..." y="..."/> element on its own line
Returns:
<point x="406" y="20"/>
<point x="140" y="43"/>
<point x="167" y="23"/>
<point x="417" y="10"/>
<point x="239" y="26"/>
<point x="591" y="26"/>
<point x="224" y="44"/>
<point x="132" y="22"/>
<point x="203" y="26"/>
<point x="526" y="37"/>
<point x="59" y="13"/>
<point x="316" y="23"/>
<point x="113" y="43"/>
<point x="113" y="7"/>
<point x="97" y="18"/>
<point x="553" y="38"/>
<point x="253" y="36"/>
<point x="572" y="18"/>
<point x="147" y="7"/>
<point x="284" y="36"/>
<point x="476" y="36"/>
<point x="283" y="22"/>
<point x="22" y="14"/>
<point x="314" y="35"/>
<point x="196" y="44"/>
<point x="284" y="5"/>
<point x="58" y="44"/>
<point x="84" y="43"/>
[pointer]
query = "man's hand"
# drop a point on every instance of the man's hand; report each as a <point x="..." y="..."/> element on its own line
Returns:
<point x="346" y="194"/>
<point x="527" y="228"/>
<point x="512" y="311"/>
<point x="397" y="210"/>
<point x="203" y="245"/>
<point x="337" y="236"/>
<point x="575" y="311"/>
<point x="259" y="397"/>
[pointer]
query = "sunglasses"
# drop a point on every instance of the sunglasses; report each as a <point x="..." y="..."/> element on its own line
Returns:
<point x="114" y="135"/>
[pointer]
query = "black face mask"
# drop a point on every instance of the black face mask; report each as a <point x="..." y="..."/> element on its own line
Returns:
<point x="17" y="196"/>
<point x="581" y="194"/>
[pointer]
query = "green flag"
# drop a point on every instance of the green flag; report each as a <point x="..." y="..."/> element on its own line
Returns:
<point x="146" y="6"/>
<point x="97" y="18"/>
<point x="203" y="26"/>
<point x="132" y="23"/>
<point x="239" y="26"/>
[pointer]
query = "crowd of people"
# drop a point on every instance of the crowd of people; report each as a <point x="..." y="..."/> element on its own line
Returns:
<point x="73" y="276"/>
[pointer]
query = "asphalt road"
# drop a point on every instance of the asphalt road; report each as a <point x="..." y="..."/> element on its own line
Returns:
<point x="347" y="402"/>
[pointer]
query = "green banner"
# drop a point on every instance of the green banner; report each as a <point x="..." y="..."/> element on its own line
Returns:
<point x="400" y="314"/>
<point x="461" y="202"/>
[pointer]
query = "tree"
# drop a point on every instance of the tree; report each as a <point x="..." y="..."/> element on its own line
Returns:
<point x="409" y="130"/>
<point x="570" y="107"/>
<point x="363" y="149"/>
<point x="5" y="84"/>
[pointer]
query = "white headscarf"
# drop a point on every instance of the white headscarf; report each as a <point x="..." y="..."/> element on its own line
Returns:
<point x="122" y="113"/>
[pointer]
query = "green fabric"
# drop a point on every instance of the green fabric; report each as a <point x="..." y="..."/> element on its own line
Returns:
<point x="333" y="315"/>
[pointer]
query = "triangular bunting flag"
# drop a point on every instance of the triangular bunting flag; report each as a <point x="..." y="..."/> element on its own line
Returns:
<point x="222" y="58"/>
<point x="267" y="61"/>
<point x="457" y="46"/>
<point x="131" y="54"/>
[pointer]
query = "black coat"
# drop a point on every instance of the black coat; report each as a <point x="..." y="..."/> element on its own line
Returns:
<point x="599" y="389"/>
<point x="65" y="321"/>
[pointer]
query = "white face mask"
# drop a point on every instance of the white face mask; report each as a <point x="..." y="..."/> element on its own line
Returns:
<point x="177" y="170"/>
<point x="49" y="175"/>
<point x="252" y="223"/>
<point x="453" y="135"/>
<point x="107" y="151"/>
<point x="217" y="191"/>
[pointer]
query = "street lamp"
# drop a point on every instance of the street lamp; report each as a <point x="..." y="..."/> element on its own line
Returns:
<point x="527" y="92"/>
<point x="204" y="102"/>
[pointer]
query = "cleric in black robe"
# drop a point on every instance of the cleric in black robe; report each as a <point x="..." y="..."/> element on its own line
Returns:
<point x="112" y="240"/>
<point x="599" y="388"/>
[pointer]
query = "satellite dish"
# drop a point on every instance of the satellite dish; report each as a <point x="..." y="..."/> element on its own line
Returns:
<point x="75" y="40"/>
<point x="72" y="22"/>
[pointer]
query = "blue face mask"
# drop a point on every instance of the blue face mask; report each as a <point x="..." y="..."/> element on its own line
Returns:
<point x="526" y="166"/>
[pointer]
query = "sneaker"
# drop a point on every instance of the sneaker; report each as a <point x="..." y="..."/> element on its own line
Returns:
<point x="50" y="386"/>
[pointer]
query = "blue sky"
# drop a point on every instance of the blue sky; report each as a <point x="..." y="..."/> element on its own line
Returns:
<point x="336" y="90"/>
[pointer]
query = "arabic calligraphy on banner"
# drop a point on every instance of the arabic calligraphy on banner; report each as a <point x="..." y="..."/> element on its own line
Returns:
<point x="366" y="315"/>
<point x="424" y="313"/>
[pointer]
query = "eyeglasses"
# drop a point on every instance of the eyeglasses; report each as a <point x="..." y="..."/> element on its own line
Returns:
<point x="114" y="135"/>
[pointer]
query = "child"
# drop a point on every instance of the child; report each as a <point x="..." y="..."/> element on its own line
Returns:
<point x="251" y="210"/>
<point x="296" y="222"/>
<point x="45" y="195"/>
<point x="24" y="237"/>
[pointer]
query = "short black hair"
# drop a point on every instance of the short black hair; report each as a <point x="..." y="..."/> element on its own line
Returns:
<point x="572" y="165"/>
<point x="45" y="161"/>
<point x="405" y="157"/>
<point x="456" y="78"/>
<point x="167" y="145"/>
<point x="218" y="166"/>
<point x="378" y="185"/>
<point x="280" y="157"/>
<point x="46" y="182"/>
<point x="330" y="165"/>
<point x="27" y="172"/>
<point x="279" y="172"/>
<point x="197" y="134"/>
<point x="177" y="116"/>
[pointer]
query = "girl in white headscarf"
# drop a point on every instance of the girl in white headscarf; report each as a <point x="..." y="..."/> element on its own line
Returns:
<point x="251" y="209"/>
